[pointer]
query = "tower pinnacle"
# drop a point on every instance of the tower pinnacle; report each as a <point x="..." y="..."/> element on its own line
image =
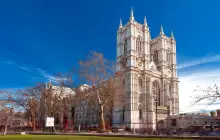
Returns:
<point x="161" y="30"/>
<point x="171" y="35"/>
<point x="50" y="84"/>
<point x="120" y="25"/>
<point x="132" y="14"/>
<point x="145" y="21"/>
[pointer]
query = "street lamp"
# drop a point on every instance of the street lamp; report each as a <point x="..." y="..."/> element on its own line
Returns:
<point x="156" y="101"/>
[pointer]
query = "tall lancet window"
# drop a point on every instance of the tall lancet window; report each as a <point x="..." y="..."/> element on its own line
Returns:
<point x="123" y="114"/>
<point x="168" y="56"/>
<point x="170" y="89"/>
<point x="155" y="56"/>
<point x="167" y="96"/>
<point x="156" y="91"/>
<point x="147" y="88"/>
<point x="140" y="84"/>
<point x="140" y="113"/>
<point x="125" y="46"/>
<point x="138" y="44"/>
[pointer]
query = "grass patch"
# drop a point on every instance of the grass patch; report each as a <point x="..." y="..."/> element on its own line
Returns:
<point x="57" y="137"/>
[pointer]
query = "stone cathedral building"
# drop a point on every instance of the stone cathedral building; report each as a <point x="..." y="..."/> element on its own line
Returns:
<point x="150" y="79"/>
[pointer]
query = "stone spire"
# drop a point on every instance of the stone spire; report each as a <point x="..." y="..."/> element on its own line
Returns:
<point x="49" y="84"/>
<point x="161" y="30"/>
<point x="120" y="25"/>
<point x="145" y="21"/>
<point x="132" y="14"/>
<point x="171" y="35"/>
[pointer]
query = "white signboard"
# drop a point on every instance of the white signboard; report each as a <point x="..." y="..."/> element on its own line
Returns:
<point x="49" y="122"/>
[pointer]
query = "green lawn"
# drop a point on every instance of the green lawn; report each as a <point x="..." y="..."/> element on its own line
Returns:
<point x="56" y="137"/>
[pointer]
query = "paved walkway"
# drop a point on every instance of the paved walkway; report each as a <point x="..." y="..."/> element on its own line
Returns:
<point x="124" y="135"/>
<point x="119" y="135"/>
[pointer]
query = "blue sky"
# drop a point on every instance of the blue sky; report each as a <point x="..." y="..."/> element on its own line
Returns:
<point x="39" y="39"/>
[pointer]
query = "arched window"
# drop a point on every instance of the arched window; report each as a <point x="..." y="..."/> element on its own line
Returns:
<point x="125" y="46"/>
<point x="123" y="114"/>
<point x="173" y="123"/>
<point x="156" y="91"/>
<point x="138" y="44"/>
<point x="140" y="113"/>
<point x="140" y="84"/>
<point x="170" y="88"/>
<point x="147" y="87"/>
<point x="169" y="56"/>
<point x="155" y="56"/>
<point x="168" y="53"/>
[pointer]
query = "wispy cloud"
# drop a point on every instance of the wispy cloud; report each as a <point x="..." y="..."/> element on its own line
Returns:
<point x="34" y="72"/>
<point x="204" y="60"/>
<point x="51" y="77"/>
<point x="13" y="63"/>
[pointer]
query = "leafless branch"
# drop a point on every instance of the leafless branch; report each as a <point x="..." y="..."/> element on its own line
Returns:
<point x="210" y="95"/>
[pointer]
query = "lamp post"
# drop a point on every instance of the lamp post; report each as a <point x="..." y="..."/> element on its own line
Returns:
<point x="156" y="101"/>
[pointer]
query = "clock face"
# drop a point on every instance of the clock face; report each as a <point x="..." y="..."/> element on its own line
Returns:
<point x="140" y="64"/>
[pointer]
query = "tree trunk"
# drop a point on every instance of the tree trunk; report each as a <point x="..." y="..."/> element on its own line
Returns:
<point x="5" y="130"/>
<point x="33" y="121"/>
<point x="6" y="127"/>
<point x="102" y="119"/>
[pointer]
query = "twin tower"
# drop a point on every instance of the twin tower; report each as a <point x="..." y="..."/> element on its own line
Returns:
<point x="151" y="79"/>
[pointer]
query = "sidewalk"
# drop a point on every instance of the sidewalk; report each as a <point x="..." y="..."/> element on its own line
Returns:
<point x="118" y="135"/>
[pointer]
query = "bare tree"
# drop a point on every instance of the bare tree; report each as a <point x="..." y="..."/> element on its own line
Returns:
<point x="6" y="114"/>
<point x="41" y="101"/>
<point x="57" y="99"/>
<point x="209" y="95"/>
<point x="99" y="73"/>
<point x="28" y="100"/>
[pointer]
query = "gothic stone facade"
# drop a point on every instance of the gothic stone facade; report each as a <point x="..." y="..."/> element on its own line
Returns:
<point x="151" y="75"/>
